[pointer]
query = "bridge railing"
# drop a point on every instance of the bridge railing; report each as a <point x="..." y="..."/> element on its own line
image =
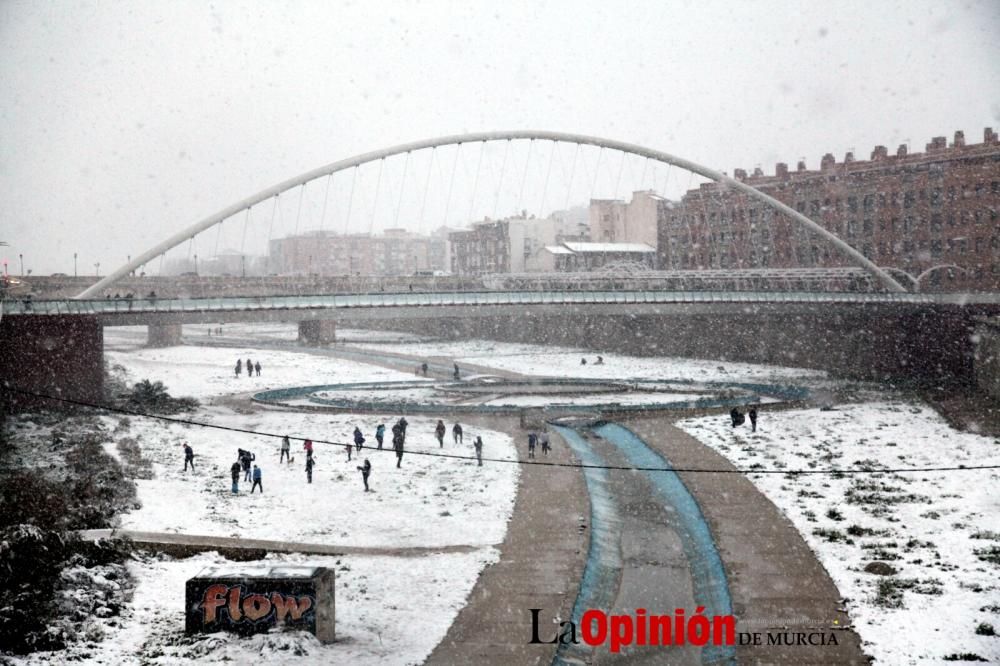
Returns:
<point x="484" y="298"/>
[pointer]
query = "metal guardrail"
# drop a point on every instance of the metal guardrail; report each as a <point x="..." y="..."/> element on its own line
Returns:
<point x="485" y="298"/>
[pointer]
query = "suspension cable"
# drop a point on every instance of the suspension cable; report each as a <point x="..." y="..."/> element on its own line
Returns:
<point x="503" y="170"/>
<point x="475" y="181"/>
<point x="402" y="188"/>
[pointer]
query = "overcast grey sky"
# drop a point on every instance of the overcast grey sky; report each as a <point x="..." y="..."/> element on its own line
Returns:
<point x="123" y="122"/>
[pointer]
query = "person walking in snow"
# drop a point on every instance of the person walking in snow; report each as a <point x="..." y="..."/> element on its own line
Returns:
<point x="543" y="439"/>
<point x="439" y="432"/>
<point x="366" y="470"/>
<point x="478" y="444"/>
<point x="235" y="471"/>
<point x="308" y="446"/>
<point x="256" y="367"/>
<point x="457" y="374"/>
<point x="380" y="435"/>
<point x="532" y="440"/>
<point x="753" y="419"/>
<point x="456" y="433"/>
<point x="256" y="481"/>
<point x="359" y="439"/>
<point x="397" y="446"/>
<point x="350" y="450"/>
<point x="423" y="366"/>
<point x="245" y="459"/>
<point x="188" y="457"/>
<point x="286" y="449"/>
<point x="402" y="426"/>
<point x="249" y="368"/>
<point x="309" y="469"/>
<point x="239" y="366"/>
<point x="736" y="416"/>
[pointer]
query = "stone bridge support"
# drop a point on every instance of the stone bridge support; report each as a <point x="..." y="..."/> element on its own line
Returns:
<point x="164" y="335"/>
<point x="55" y="355"/>
<point x="317" y="331"/>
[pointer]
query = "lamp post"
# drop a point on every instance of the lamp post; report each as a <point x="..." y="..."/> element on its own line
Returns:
<point x="243" y="263"/>
<point x="74" y="264"/>
<point x="21" y="257"/>
<point x="97" y="269"/>
<point x="196" y="264"/>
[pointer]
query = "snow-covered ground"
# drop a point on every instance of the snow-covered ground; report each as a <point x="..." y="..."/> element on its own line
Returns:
<point x="429" y="501"/>
<point x="935" y="529"/>
<point x="206" y="372"/>
<point x="565" y="362"/>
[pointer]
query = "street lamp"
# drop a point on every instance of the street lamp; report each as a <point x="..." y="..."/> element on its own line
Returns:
<point x="243" y="261"/>
<point x="97" y="269"/>
<point x="196" y="264"/>
<point x="21" y="257"/>
<point x="74" y="264"/>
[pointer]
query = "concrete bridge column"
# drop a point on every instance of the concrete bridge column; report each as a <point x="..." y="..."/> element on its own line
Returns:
<point x="317" y="331"/>
<point x="164" y="335"/>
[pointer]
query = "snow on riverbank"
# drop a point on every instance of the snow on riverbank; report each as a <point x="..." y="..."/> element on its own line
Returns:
<point x="205" y="372"/>
<point x="936" y="530"/>
<point x="429" y="501"/>
<point x="377" y="621"/>
<point x="565" y="362"/>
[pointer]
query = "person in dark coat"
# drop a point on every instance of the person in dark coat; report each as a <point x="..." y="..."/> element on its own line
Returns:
<point x="397" y="446"/>
<point x="366" y="470"/>
<point x="439" y="432"/>
<point x="245" y="459"/>
<point x="543" y="439"/>
<point x="188" y="457"/>
<point x="307" y="445"/>
<point x="380" y="435"/>
<point x="478" y="444"/>
<point x="457" y="374"/>
<point x="309" y="469"/>
<point x="402" y="425"/>
<point x="423" y="366"/>
<point x="256" y="480"/>
<point x="239" y="366"/>
<point x="532" y="440"/>
<point x="286" y="449"/>
<point x="736" y="416"/>
<point x="249" y="368"/>
<point x="456" y="433"/>
<point x="753" y="419"/>
<point x="359" y="439"/>
<point x="256" y="366"/>
<point x="235" y="470"/>
<point x="350" y="450"/>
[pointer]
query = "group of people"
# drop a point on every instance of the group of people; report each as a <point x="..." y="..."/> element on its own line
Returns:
<point x="217" y="331"/>
<point x="423" y="368"/>
<point x="251" y="366"/>
<point x="244" y="460"/>
<point x="738" y="418"/>
<point x="538" y="439"/>
<point x="599" y="361"/>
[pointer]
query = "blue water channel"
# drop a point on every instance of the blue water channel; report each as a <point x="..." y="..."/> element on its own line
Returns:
<point x="599" y="584"/>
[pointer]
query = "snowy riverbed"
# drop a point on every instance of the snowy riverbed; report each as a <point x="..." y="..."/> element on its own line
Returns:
<point x="934" y="529"/>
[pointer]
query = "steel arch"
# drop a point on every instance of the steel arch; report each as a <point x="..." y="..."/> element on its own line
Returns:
<point x="476" y="137"/>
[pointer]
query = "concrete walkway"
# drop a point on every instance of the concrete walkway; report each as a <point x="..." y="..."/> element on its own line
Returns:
<point x="184" y="545"/>
<point x="776" y="583"/>
<point x="541" y="562"/>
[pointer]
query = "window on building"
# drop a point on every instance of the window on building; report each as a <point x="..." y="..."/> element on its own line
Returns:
<point x="852" y="204"/>
<point x="868" y="203"/>
<point x="909" y="198"/>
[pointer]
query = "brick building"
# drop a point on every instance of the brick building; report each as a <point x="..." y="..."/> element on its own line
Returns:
<point x="910" y="212"/>
<point x="511" y="245"/>
<point x="396" y="252"/>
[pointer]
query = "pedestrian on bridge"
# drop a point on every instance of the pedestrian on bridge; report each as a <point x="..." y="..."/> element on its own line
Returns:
<point x="544" y="441"/>
<point x="257" y="367"/>
<point x="532" y="441"/>
<point x="188" y="457"/>
<point x="239" y="366"/>
<point x="456" y="433"/>
<point x="256" y="481"/>
<point x="439" y="432"/>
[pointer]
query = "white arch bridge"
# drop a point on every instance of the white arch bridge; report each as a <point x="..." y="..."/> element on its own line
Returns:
<point x="856" y="258"/>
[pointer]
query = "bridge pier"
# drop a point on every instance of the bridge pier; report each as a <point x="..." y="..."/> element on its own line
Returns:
<point x="164" y="335"/>
<point x="55" y="355"/>
<point x="317" y="331"/>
